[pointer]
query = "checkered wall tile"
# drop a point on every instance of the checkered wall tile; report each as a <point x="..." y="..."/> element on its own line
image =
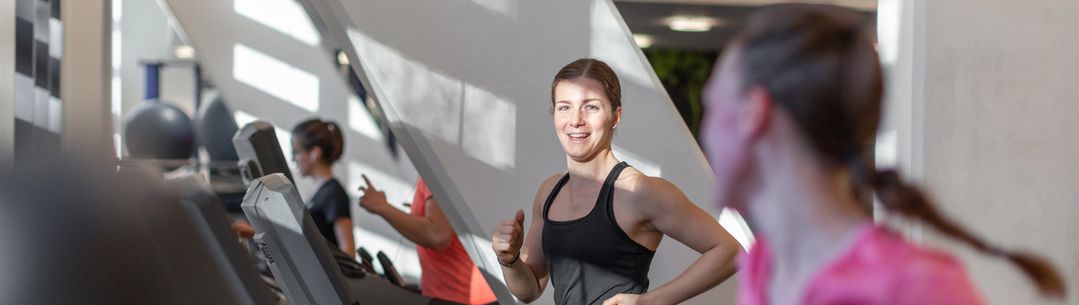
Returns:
<point x="38" y="53"/>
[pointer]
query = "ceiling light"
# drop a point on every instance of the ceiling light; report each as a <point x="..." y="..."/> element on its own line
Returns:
<point x="643" y="41"/>
<point x="691" y="23"/>
<point x="342" y="58"/>
<point x="184" y="52"/>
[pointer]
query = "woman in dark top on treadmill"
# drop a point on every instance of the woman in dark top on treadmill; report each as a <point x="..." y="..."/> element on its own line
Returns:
<point x="316" y="145"/>
<point x="596" y="226"/>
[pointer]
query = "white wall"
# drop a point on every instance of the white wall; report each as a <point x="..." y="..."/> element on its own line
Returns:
<point x="141" y="34"/>
<point x="1001" y="119"/>
<point x="899" y="143"/>
<point x="267" y="61"/>
<point x="84" y="79"/>
<point x="896" y="34"/>
<point x="7" y="81"/>
<point x="466" y="85"/>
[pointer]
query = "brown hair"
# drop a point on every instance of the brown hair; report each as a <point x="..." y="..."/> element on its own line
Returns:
<point x="819" y="65"/>
<point x="593" y="69"/>
<point x="324" y="135"/>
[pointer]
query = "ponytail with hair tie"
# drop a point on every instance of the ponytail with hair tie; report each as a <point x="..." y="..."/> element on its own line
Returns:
<point x="338" y="140"/>
<point x="325" y="135"/>
<point x="898" y="196"/>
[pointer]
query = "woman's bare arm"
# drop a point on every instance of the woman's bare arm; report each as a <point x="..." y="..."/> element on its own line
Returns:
<point x="526" y="274"/>
<point x="670" y="212"/>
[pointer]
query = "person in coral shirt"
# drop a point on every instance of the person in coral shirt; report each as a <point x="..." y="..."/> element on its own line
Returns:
<point x="448" y="272"/>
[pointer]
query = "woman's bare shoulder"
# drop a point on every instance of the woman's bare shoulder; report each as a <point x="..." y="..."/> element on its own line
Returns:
<point x="549" y="182"/>
<point x="545" y="188"/>
<point x="644" y="188"/>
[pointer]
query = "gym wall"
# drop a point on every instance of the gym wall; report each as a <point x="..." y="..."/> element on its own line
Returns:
<point x="982" y="96"/>
<point x="1001" y="139"/>
<point x="466" y="87"/>
<point x="36" y="84"/>
<point x="269" y="62"/>
<point x="7" y="81"/>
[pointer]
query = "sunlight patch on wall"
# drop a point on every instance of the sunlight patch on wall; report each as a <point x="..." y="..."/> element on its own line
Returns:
<point x="430" y="101"/>
<point x="480" y="122"/>
<point x="638" y="162"/>
<point x="888" y="30"/>
<point x="285" y="16"/>
<point x="361" y="121"/>
<point x="886" y="149"/>
<point x="611" y="42"/>
<point x="116" y="103"/>
<point x="275" y="77"/>
<point x="736" y="225"/>
<point x="483" y="244"/>
<point x="489" y="128"/>
<point x="117" y="143"/>
<point x="507" y="8"/>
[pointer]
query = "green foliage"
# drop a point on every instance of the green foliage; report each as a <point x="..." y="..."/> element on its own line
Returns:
<point x="684" y="74"/>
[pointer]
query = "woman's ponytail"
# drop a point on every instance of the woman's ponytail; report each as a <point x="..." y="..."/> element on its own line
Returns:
<point x="820" y="67"/>
<point x="325" y="135"/>
<point x="900" y="197"/>
<point x="337" y="142"/>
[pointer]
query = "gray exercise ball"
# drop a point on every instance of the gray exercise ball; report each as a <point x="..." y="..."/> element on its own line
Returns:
<point x="156" y="130"/>
<point x="215" y="128"/>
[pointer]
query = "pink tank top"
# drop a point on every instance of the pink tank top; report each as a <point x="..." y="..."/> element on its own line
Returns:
<point x="879" y="268"/>
<point x="449" y="273"/>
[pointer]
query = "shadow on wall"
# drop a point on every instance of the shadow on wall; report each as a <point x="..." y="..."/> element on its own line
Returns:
<point x="467" y="91"/>
<point x="268" y="61"/>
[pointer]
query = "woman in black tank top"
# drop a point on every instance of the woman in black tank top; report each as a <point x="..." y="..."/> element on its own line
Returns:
<point x="316" y="145"/>
<point x="595" y="227"/>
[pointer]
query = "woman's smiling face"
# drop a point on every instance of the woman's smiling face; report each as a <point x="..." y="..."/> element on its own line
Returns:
<point x="584" y="118"/>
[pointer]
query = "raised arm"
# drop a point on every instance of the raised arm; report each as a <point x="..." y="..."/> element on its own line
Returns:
<point x="668" y="211"/>
<point x="524" y="268"/>
<point x="431" y="231"/>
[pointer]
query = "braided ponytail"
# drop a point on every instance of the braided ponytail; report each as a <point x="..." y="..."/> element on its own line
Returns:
<point x="900" y="197"/>
<point x="820" y="67"/>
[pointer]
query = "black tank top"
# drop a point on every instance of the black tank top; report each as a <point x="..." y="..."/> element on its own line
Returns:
<point x="591" y="259"/>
